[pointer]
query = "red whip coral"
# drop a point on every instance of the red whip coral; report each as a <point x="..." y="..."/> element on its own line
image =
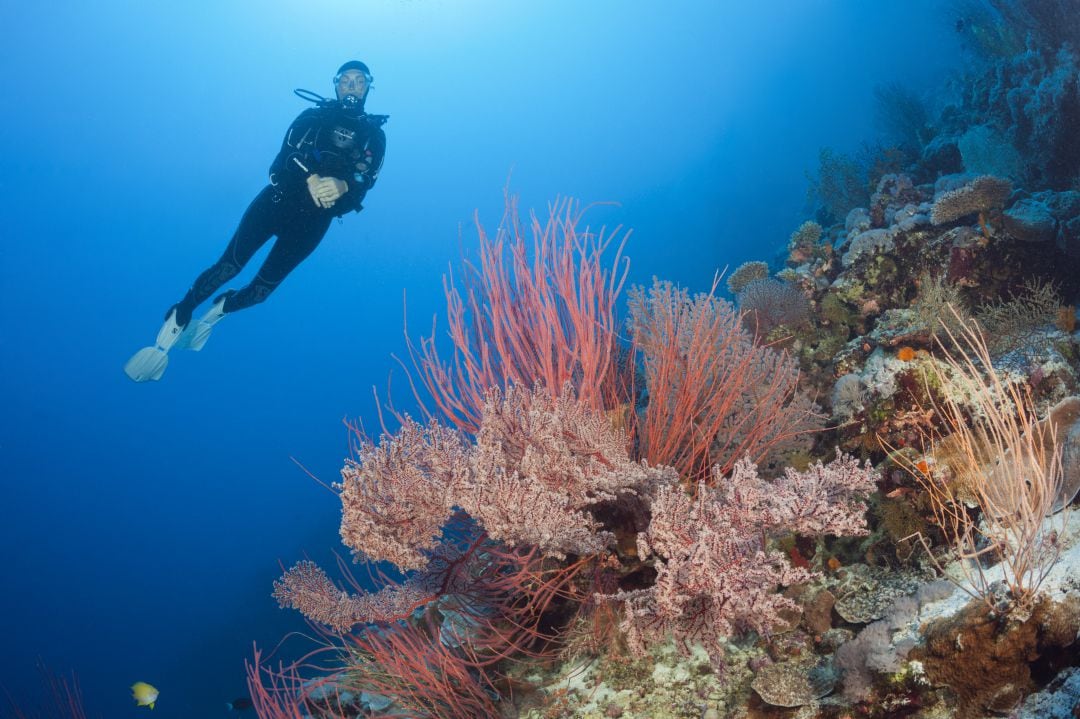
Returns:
<point x="714" y="395"/>
<point x="545" y="317"/>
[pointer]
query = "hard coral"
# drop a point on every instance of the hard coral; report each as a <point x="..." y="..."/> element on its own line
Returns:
<point x="987" y="662"/>
<point x="894" y="191"/>
<point x="746" y="273"/>
<point x="804" y="243"/>
<point x="982" y="194"/>
<point x="870" y="244"/>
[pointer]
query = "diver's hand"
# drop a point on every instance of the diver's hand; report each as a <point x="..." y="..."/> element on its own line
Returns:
<point x="313" y="186"/>
<point x="329" y="190"/>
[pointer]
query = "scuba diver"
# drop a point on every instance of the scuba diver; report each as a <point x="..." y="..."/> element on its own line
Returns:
<point x="329" y="159"/>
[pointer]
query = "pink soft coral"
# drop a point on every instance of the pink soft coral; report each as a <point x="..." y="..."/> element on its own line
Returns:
<point x="716" y="575"/>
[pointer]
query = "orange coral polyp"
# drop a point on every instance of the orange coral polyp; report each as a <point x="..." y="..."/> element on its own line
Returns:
<point x="905" y="354"/>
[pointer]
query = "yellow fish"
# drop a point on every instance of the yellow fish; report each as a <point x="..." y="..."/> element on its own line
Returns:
<point x="144" y="694"/>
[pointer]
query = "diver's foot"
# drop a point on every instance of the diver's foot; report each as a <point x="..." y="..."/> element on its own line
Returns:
<point x="170" y="331"/>
<point x="183" y="312"/>
<point x="224" y="297"/>
<point x="196" y="334"/>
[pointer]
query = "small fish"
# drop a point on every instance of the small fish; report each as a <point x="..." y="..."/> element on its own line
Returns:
<point x="144" y="694"/>
<point x="239" y="704"/>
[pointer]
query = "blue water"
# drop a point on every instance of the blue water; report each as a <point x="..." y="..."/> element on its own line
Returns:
<point x="141" y="526"/>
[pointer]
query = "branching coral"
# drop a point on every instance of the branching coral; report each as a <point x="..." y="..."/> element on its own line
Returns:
<point x="513" y="519"/>
<point x="277" y="693"/>
<point x="841" y="184"/>
<point x="414" y="665"/>
<point x="902" y="115"/>
<point x="63" y="698"/>
<point x="424" y="464"/>
<point x="938" y="304"/>
<point x="489" y="608"/>
<point x="307" y="589"/>
<point x="434" y="645"/>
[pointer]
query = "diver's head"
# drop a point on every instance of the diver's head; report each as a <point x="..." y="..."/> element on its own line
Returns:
<point x="351" y="83"/>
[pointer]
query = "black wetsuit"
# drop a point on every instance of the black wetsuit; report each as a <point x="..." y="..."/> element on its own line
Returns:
<point x="330" y="141"/>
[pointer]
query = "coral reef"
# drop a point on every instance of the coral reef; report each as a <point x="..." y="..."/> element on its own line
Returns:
<point x="1032" y="97"/>
<point x="597" y="523"/>
<point x="805" y="245"/>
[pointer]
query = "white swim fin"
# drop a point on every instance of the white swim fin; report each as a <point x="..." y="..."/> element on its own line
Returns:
<point x="196" y="333"/>
<point x="149" y="363"/>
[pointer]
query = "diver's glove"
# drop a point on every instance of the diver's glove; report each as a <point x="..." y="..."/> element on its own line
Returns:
<point x="325" y="191"/>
